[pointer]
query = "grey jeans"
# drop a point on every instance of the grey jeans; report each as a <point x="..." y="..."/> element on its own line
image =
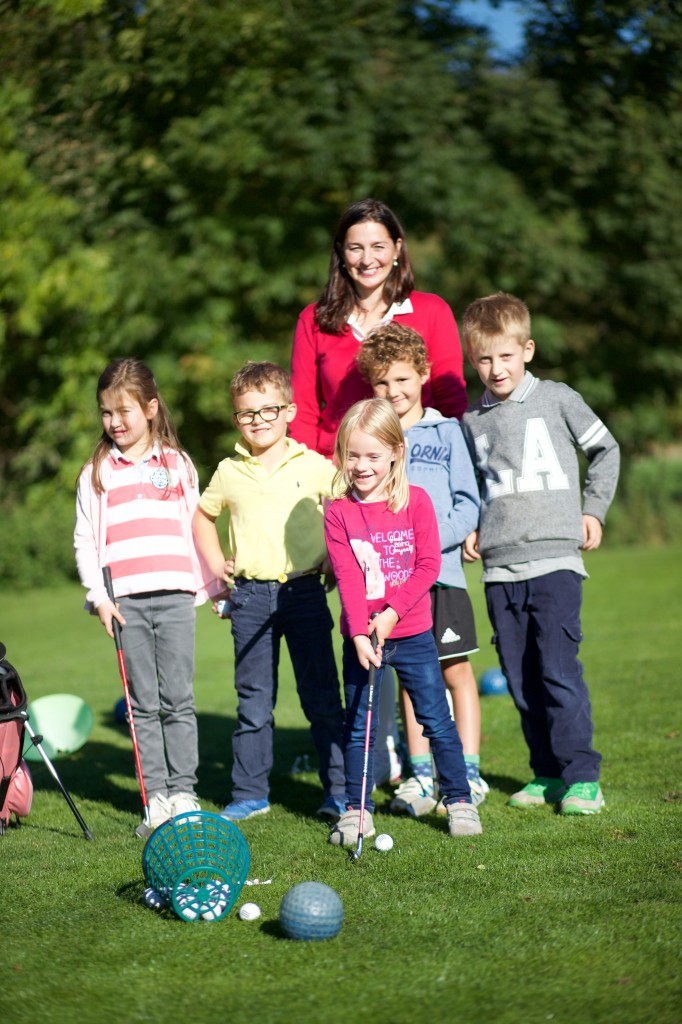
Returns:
<point x="158" y="647"/>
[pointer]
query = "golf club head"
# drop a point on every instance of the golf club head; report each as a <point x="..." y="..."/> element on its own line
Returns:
<point x="144" y="829"/>
<point x="357" y="852"/>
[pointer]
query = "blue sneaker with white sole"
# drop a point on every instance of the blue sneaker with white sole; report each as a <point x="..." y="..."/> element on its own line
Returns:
<point x="239" y="810"/>
<point x="332" y="808"/>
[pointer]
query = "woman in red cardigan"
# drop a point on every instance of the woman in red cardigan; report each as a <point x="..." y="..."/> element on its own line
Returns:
<point x="370" y="282"/>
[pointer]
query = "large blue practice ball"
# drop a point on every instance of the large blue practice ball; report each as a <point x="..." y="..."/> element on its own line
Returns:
<point x="492" y="683"/>
<point x="120" y="711"/>
<point x="311" y="910"/>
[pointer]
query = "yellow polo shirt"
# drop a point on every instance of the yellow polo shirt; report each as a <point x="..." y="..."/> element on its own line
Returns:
<point x="276" y="518"/>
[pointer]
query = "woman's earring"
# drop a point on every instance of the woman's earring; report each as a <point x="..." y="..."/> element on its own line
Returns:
<point x="395" y="261"/>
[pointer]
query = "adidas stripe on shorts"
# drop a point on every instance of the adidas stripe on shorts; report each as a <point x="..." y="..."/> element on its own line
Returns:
<point x="454" y="628"/>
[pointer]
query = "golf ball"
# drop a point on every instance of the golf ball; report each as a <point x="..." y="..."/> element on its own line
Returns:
<point x="186" y="902"/>
<point x="219" y="894"/>
<point x="383" y="843"/>
<point x="249" y="912"/>
<point x="153" y="898"/>
<point x="311" y="910"/>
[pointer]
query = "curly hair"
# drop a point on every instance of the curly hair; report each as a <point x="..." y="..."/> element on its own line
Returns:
<point x="388" y="344"/>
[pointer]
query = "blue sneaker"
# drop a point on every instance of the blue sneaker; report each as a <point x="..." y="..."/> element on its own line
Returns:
<point x="238" y="810"/>
<point x="332" y="808"/>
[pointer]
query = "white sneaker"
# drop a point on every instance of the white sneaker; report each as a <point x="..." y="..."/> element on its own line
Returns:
<point x="415" y="797"/>
<point x="160" y="810"/>
<point x="479" y="789"/>
<point x="183" y="803"/>
<point x="345" y="832"/>
<point x="463" y="819"/>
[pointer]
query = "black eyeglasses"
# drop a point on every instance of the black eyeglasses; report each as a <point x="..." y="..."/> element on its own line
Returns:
<point x="268" y="414"/>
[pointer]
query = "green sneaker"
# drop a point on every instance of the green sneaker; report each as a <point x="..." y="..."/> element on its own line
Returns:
<point x="582" y="798"/>
<point x="537" y="793"/>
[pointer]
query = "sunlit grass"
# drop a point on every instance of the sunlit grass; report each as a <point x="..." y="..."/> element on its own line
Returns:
<point x="539" y="919"/>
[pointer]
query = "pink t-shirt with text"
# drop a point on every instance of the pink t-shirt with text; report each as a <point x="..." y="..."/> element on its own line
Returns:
<point x="382" y="558"/>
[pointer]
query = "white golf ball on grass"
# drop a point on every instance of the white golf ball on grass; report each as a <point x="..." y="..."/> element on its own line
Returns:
<point x="383" y="843"/>
<point x="154" y="899"/>
<point x="249" y="912"/>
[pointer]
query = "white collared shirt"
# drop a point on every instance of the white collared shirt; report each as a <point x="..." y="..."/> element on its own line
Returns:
<point x="395" y="310"/>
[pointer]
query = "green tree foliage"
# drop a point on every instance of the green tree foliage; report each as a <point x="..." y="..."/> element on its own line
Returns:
<point x="171" y="175"/>
<point x="591" y="125"/>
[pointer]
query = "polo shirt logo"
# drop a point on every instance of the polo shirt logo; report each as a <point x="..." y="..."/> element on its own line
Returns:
<point x="160" y="478"/>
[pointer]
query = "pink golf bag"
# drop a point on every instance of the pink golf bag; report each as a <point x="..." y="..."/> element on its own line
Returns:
<point x="16" y="785"/>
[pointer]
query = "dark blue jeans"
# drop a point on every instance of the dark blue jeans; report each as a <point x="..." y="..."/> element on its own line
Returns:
<point x="415" y="660"/>
<point x="537" y="636"/>
<point x="262" y="612"/>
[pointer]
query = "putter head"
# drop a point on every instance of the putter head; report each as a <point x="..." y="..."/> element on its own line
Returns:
<point x="144" y="829"/>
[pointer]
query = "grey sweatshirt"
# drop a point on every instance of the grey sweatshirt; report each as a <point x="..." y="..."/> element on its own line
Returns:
<point x="524" y="450"/>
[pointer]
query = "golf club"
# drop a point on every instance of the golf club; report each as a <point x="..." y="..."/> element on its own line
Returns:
<point x="144" y="829"/>
<point x="365" y="767"/>
<point x="37" y="740"/>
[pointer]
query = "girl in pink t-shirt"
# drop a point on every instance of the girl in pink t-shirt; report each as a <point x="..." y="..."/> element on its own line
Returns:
<point x="383" y="542"/>
<point x="136" y="498"/>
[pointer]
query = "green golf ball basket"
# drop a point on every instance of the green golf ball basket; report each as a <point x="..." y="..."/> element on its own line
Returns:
<point x="198" y="863"/>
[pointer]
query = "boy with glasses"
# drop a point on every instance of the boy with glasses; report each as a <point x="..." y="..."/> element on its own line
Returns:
<point x="273" y="489"/>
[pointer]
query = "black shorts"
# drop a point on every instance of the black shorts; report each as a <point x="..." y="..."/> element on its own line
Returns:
<point x="454" y="628"/>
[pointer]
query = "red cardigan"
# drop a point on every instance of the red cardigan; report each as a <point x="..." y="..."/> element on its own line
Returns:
<point x="327" y="381"/>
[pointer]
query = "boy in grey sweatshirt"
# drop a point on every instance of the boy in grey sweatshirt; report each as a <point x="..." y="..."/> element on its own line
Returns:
<point x="523" y="436"/>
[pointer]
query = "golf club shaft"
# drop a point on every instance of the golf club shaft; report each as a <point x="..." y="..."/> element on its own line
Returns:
<point x="106" y="573"/>
<point x="53" y="772"/>
<point x="368" y="730"/>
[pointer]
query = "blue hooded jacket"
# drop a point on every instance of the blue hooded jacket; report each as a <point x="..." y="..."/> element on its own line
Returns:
<point x="438" y="460"/>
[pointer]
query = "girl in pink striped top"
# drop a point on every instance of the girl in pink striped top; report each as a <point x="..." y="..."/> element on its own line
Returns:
<point x="136" y="498"/>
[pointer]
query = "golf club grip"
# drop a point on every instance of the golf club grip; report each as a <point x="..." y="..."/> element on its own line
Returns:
<point x="106" y="573"/>
<point x="374" y="639"/>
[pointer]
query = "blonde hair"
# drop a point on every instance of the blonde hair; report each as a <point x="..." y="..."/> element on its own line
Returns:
<point x="388" y="344"/>
<point x="376" y="417"/>
<point x="493" y="315"/>
<point x="138" y="381"/>
<point x="256" y="376"/>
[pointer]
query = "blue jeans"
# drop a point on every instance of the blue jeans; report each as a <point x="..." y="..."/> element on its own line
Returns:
<point x="262" y="612"/>
<point x="158" y="648"/>
<point x="415" y="660"/>
<point x="537" y="636"/>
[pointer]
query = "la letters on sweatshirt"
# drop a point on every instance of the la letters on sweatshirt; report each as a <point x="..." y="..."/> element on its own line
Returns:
<point x="525" y="450"/>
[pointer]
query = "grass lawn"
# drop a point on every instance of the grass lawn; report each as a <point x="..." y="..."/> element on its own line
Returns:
<point x="574" y="921"/>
